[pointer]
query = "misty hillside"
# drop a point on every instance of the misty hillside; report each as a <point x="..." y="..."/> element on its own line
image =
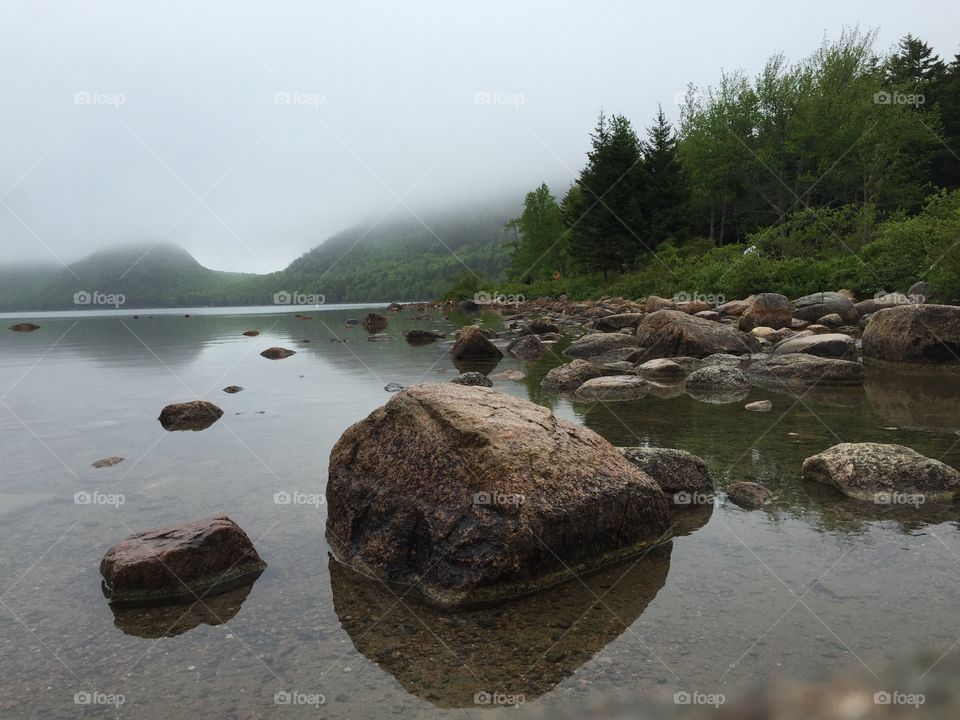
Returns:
<point x="395" y="260"/>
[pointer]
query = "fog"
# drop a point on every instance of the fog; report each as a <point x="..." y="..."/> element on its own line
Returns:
<point x="249" y="132"/>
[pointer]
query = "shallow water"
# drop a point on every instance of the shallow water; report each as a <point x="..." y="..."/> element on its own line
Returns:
<point x="813" y="584"/>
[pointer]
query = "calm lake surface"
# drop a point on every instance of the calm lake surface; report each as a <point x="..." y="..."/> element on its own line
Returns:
<point x="809" y="586"/>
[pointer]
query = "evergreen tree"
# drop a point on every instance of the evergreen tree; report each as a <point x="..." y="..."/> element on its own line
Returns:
<point x="665" y="197"/>
<point x="914" y="64"/>
<point x="605" y="235"/>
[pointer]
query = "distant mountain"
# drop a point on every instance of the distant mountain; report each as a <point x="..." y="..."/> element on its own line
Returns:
<point x="393" y="260"/>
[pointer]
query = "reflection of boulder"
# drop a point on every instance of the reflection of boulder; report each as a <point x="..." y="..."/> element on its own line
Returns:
<point x="176" y="619"/>
<point x="525" y="647"/>
<point x="914" y="399"/>
<point x="480" y="365"/>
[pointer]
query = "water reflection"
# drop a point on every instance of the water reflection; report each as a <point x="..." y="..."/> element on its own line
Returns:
<point x="179" y="618"/>
<point x="523" y="647"/>
<point x="913" y="399"/>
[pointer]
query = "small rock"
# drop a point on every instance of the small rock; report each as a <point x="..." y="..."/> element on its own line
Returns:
<point x="613" y="388"/>
<point x="251" y="333"/>
<point x="277" y="353"/>
<point x="759" y="406"/>
<point x="749" y="495"/>
<point x="108" y="462"/>
<point x="193" y="415"/>
<point x="231" y="389"/>
<point x="472" y="379"/>
<point x="567" y="378"/>
<point x="24" y="327"/>
<point x="393" y="387"/>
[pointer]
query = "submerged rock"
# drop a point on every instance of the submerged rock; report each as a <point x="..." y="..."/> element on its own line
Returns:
<point x="514" y="375"/>
<point x="884" y="474"/>
<point x="193" y="415"/>
<point x="374" y="322"/>
<point x="107" y="462"/>
<point x="671" y="333"/>
<point x="183" y="562"/>
<point x="683" y="476"/>
<point x="567" y="378"/>
<point x="473" y="343"/>
<point x="612" y="388"/>
<point x="749" y="495"/>
<point x="928" y="334"/>
<point x="802" y="369"/>
<point x="473" y="378"/>
<point x="475" y="496"/>
<point x="277" y="353"/>
<point x="759" y="406"/>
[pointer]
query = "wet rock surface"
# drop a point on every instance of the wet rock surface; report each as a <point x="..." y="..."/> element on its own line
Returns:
<point x="799" y="369"/>
<point x="749" y="495"/>
<point x="683" y="476"/>
<point x="277" y="353"/>
<point x="924" y="334"/>
<point x="613" y="388"/>
<point x="473" y="343"/>
<point x="567" y="378"/>
<point x="477" y="496"/>
<point x="193" y="415"/>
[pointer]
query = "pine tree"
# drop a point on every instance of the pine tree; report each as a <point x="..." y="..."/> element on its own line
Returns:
<point x="665" y="190"/>
<point x="604" y="236"/>
<point x="914" y="64"/>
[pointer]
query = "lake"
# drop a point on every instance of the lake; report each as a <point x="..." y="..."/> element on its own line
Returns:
<point x="810" y="585"/>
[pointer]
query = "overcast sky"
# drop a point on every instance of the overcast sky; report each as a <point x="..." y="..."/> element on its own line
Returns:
<point x="248" y="132"/>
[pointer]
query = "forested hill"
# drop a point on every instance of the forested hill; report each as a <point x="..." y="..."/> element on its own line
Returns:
<point x="408" y="259"/>
<point x="396" y="259"/>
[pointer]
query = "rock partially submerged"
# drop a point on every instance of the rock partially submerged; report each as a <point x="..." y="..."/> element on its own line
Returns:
<point x="277" y="353"/>
<point x="671" y="333"/>
<point x="528" y="347"/>
<point x="374" y="322"/>
<point x="24" y="327"/>
<point x="830" y="345"/>
<point x="476" y="497"/>
<point x="251" y="333"/>
<point x="473" y="378"/>
<point x="422" y="337"/>
<point x="683" y="476"/>
<point x="884" y="474"/>
<point x="232" y="389"/>
<point x="662" y="369"/>
<point x="193" y="415"/>
<point x="179" y="563"/>
<point x="600" y="343"/>
<point x="613" y="388"/>
<point x="800" y="369"/>
<point x="107" y="462"/>
<point x="567" y="378"/>
<point x="473" y="343"/>
<point x="749" y="495"/>
<point x="928" y="334"/>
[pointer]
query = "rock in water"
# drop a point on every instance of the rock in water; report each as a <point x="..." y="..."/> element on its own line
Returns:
<point x="184" y="562"/>
<point x="277" y="353"/>
<point x="232" y="389"/>
<point x="800" y="369"/>
<point x="193" y="415"/>
<point x="600" y="343"/>
<point x="473" y="343"/>
<point x="422" y="337"/>
<point x="475" y="496"/>
<point x="884" y="474"/>
<point x="528" y="347"/>
<point x="251" y="333"/>
<point x="829" y="345"/>
<point x="927" y="334"/>
<point x="759" y="406"/>
<point x="613" y="388"/>
<point x="683" y="476"/>
<point x="542" y="326"/>
<point x="749" y="495"/>
<point x="374" y="322"/>
<point x="24" y="327"/>
<point x="671" y="333"/>
<point x="567" y="378"/>
<point x="473" y="378"/>
<point x="107" y="462"/>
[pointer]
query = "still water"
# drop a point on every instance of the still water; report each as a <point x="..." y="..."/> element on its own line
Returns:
<point x="811" y="585"/>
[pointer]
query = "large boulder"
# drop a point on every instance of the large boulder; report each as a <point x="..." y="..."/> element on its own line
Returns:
<point x="193" y="415"/>
<point x="614" y="323"/>
<point x="914" y="334"/>
<point x="528" y="347"/>
<point x="671" y="333"/>
<point x="184" y="562"/>
<point x="613" y="388"/>
<point x="600" y="343"/>
<point x="567" y="378"/>
<point x="829" y="345"/>
<point x="815" y="306"/>
<point x="884" y="474"/>
<point x="662" y="369"/>
<point x="767" y="310"/>
<point x="800" y="369"/>
<point x="683" y="476"/>
<point x="717" y="384"/>
<point x="473" y="343"/>
<point x="474" y="496"/>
